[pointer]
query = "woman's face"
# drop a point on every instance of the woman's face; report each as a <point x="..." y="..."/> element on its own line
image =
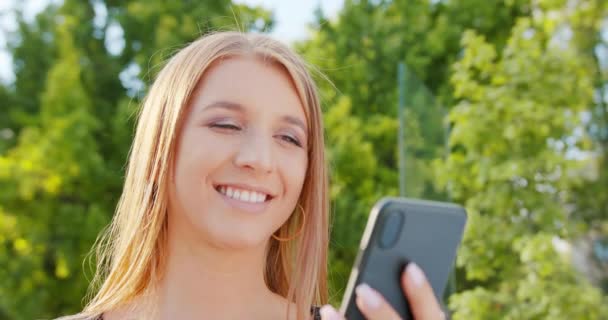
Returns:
<point x="241" y="157"/>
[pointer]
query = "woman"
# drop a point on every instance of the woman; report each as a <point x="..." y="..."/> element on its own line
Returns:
<point x="224" y="212"/>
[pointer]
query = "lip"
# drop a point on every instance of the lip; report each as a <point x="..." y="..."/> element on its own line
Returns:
<point x="249" y="207"/>
<point x="247" y="187"/>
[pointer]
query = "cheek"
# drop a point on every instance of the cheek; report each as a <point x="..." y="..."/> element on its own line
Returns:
<point x="294" y="169"/>
<point x="195" y="163"/>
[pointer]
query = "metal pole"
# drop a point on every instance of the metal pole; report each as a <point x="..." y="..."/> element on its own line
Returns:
<point x="401" y="142"/>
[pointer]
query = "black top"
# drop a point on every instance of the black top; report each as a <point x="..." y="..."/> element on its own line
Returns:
<point x="313" y="310"/>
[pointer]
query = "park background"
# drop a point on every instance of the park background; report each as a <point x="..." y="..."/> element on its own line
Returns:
<point x="506" y="113"/>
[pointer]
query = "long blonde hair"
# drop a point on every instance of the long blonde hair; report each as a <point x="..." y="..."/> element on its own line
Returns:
<point x="131" y="252"/>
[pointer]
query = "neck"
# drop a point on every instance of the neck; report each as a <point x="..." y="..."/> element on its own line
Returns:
<point x="203" y="281"/>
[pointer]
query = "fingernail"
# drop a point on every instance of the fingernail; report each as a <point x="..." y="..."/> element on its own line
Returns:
<point x="416" y="274"/>
<point x="329" y="313"/>
<point x="370" y="297"/>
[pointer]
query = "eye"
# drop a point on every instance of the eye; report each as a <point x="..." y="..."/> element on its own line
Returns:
<point x="291" y="140"/>
<point x="225" y="126"/>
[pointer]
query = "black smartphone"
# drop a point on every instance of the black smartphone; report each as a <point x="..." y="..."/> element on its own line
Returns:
<point x="400" y="231"/>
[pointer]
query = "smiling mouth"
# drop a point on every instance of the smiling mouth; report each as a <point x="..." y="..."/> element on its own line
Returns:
<point x="244" y="195"/>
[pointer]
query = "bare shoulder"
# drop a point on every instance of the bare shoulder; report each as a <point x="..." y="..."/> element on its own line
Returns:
<point x="79" y="316"/>
<point x="281" y="307"/>
<point x="124" y="313"/>
<point x="141" y="307"/>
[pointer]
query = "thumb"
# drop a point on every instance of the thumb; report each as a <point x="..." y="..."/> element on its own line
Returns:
<point x="420" y="295"/>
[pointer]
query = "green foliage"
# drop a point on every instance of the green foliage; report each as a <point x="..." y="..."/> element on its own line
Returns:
<point x="72" y="117"/>
<point x="504" y="114"/>
<point x="48" y="181"/>
<point x="543" y="286"/>
<point x="517" y="92"/>
<point x="511" y="162"/>
<point x="359" y="51"/>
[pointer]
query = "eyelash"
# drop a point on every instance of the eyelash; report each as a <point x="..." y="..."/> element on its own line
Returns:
<point x="291" y="140"/>
<point x="285" y="138"/>
<point x="225" y="126"/>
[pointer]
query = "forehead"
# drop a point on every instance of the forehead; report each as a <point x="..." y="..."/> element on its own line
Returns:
<point x="257" y="84"/>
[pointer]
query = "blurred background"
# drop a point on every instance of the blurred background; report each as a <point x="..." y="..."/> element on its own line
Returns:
<point x="505" y="111"/>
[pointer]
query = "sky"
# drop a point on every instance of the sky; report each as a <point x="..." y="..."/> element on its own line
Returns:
<point x="292" y="18"/>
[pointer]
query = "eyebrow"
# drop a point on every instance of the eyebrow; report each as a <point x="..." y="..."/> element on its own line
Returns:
<point x="224" y="105"/>
<point x="233" y="106"/>
<point x="295" y="121"/>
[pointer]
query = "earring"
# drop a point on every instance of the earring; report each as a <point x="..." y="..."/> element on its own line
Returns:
<point x="299" y="230"/>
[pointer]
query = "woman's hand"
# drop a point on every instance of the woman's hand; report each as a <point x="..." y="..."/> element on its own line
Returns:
<point x="416" y="288"/>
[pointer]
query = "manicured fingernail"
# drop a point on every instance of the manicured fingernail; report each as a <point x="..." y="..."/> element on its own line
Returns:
<point x="414" y="272"/>
<point x="329" y="313"/>
<point x="370" y="297"/>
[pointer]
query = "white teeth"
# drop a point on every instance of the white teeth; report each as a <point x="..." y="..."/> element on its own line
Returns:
<point x="261" y="197"/>
<point x="243" y="195"/>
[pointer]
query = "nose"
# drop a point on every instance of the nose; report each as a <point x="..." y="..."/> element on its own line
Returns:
<point x="255" y="153"/>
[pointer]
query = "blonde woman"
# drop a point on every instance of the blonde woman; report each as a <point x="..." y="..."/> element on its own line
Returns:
<point x="224" y="212"/>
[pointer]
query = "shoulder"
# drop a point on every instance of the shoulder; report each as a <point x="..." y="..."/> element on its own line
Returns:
<point x="81" y="316"/>
<point x="280" y="303"/>
<point x="314" y="312"/>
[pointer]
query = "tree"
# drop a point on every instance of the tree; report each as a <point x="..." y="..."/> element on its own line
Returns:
<point x="523" y="84"/>
<point x="517" y="129"/>
<point x="42" y="177"/>
<point x="71" y="111"/>
<point x="517" y="90"/>
<point x="359" y="51"/>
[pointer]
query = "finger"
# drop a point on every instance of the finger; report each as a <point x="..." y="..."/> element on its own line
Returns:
<point x="420" y="294"/>
<point x="373" y="305"/>
<point x="329" y="313"/>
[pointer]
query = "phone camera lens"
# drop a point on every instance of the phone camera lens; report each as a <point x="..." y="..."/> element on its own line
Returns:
<point x="391" y="229"/>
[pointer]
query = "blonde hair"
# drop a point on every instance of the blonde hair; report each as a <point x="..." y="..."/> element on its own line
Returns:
<point x="131" y="251"/>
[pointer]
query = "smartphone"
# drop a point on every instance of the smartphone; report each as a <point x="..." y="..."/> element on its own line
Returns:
<point x="400" y="231"/>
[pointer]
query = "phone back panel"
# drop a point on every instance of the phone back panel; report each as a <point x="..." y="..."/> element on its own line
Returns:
<point x="400" y="230"/>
